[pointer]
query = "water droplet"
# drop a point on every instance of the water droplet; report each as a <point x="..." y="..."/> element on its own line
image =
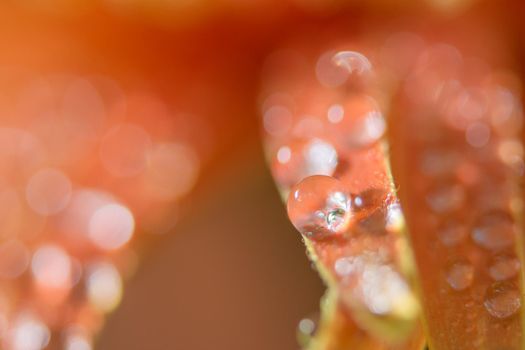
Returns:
<point x="353" y="62"/>
<point x="504" y="267"/>
<point x="372" y="198"/>
<point x="494" y="231"/>
<point x="460" y="275"/>
<point x="361" y="123"/>
<point x="306" y="329"/>
<point x="318" y="207"/>
<point x="502" y="299"/>
<point x="446" y="198"/>
<point x="299" y="159"/>
<point x="451" y="232"/>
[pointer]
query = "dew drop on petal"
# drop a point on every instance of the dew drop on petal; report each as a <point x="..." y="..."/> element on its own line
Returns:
<point x="353" y="62"/>
<point x="494" y="230"/>
<point x="460" y="275"/>
<point x="369" y="199"/>
<point x="502" y="299"/>
<point x="319" y="207"/>
<point x="306" y="329"/>
<point x="504" y="267"/>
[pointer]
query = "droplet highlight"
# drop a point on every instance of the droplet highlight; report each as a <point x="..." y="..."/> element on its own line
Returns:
<point x="319" y="207"/>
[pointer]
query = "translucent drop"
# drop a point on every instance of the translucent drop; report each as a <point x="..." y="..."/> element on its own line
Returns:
<point x="494" y="231"/>
<point x="451" y="233"/>
<point x="359" y="124"/>
<point x="502" y="299"/>
<point x="460" y="275"/>
<point x="504" y="267"/>
<point x="446" y="198"/>
<point x="319" y="207"/>
<point x="372" y="198"/>
<point x="353" y="62"/>
<point x="306" y="329"/>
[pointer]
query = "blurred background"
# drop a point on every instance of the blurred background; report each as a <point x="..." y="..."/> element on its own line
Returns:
<point x="131" y="156"/>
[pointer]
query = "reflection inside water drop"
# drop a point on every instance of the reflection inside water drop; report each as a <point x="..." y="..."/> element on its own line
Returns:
<point x="318" y="206"/>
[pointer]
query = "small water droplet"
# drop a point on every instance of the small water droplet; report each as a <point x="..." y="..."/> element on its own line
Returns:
<point x="319" y="207"/>
<point x="446" y="198"/>
<point x="494" y="231"/>
<point x="504" y="267"/>
<point x="502" y="299"/>
<point x="451" y="233"/>
<point x="306" y="329"/>
<point x="371" y="198"/>
<point x="460" y="275"/>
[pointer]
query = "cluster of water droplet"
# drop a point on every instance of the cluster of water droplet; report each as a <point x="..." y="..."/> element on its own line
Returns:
<point x="323" y="141"/>
<point x="470" y="158"/>
<point x="84" y="167"/>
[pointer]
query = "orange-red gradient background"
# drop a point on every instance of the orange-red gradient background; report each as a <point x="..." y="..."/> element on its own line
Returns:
<point x="232" y="274"/>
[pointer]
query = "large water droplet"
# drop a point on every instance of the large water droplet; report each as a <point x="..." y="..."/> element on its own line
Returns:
<point x="504" y="267"/>
<point x="494" y="231"/>
<point x="460" y="275"/>
<point x="319" y="207"/>
<point x="502" y="299"/>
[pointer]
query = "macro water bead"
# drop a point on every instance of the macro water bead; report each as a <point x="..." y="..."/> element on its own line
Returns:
<point x="319" y="207"/>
